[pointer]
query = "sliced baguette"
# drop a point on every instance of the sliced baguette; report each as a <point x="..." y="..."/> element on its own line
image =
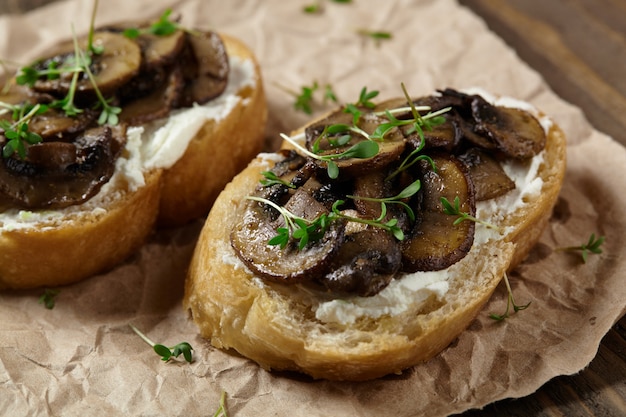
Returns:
<point x="57" y="247"/>
<point x="276" y="326"/>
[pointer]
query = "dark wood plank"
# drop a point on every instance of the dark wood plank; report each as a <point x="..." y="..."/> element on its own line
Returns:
<point x="579" y="46"/>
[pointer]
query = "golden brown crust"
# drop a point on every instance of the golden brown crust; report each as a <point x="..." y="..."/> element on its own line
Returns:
<point x="64" y="253"/>
<point x="69" y="251"/>
<point x="274" y="325"/>
<point x="217" y="152"/>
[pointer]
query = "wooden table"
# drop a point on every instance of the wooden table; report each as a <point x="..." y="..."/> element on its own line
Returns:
<point x="579" y="46"/>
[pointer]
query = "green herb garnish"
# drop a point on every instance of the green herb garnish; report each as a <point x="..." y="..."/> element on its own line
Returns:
<point x="305" y="98"/>
<point x="162" y="27"/>
<point x="361" y="150"/>
<point x="17" y="133"/>
<point x="273" y="179"/>
<point x="221" y="410"/>
<point x="90" y="47"/>
<point x="592" y="246"/>
<point x="304" y="231"/>
<point x="510" y="301"/>
<point x="48" y="298"/>
<point x="454" y="210"/>
<point x="318" y="6"/>
<point x="408" y="192"/>
<point x="165" y="352"/>
<point x="377" y="36"/>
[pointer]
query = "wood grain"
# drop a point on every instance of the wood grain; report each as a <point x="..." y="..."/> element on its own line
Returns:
<point x="579" y="47"/>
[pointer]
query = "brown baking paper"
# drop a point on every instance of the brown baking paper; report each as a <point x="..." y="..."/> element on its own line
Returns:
<point x="82" y="358"/>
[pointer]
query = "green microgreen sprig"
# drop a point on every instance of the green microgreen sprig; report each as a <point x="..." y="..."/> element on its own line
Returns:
<point x="17" y="133"/>
<point x="165" y="352"/>
<point x="453" y="209"/>
<point x="408" y="192"/>
<point x="221" y="409"/>
<point x="296" y="227"/>
<point x="510" y="301"/>
<point x="361" y="150"/>
<point x="304" y="231"/>
<point x="390" y="226"/>
<point x="318" y="6"/>
<point x="109" y="114"/>
<point x="271" y="178"/>
<point x="48" y="298"/>
<point x="592" y="246"/>
<point x="376" y="35"/>
<point x="365" y="100"/>
<point x="305" y="99"/>
<point x="162" y="27"/>
<point x="96" y="50"/>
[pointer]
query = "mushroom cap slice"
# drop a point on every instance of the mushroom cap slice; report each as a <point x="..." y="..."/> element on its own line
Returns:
<point x="436" y="242"/>
<point x="515" y="132"/>
<point x="207" y="68"/>
<point x="52" y="179"/>
<point x="488" y="176"/>
<point x="249" y="238"/>
<point x="389" y="149"/>
<point x="365" y="263"/>
<point x="119" y="62"/>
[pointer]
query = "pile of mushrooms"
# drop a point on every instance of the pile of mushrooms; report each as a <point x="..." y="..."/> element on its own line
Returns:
<point x="355" y="258"/>
<point x="146" y="76"/>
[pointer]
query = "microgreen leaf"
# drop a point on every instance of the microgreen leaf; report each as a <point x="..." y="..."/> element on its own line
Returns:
<point x="406" y="193"/>
<point x="591" y="247"/>
<point x="363" y="149"/>
<point x="165" y="352"/>
<point x="305" y="99"/>
<point x="375" y="35"/>
<point x="510" y="301"/>
<point x="164" y="26"/>
<point x="272" y="179"/>
<point x="365" y="98"/>
<point x="48" y="298"/>
<point x="17" y="133"/>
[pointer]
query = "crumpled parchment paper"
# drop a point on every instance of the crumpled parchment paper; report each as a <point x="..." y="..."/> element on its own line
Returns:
<point x="82" y="358"/>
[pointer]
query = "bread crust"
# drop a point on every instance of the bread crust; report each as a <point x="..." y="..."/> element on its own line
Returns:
<point x="274" y="325"/>
<point x="91" y="242"/>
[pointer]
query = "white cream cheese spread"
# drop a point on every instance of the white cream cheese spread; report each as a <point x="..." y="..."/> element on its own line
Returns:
<point x="414" y="289"/>
<point x="157" y="145"/>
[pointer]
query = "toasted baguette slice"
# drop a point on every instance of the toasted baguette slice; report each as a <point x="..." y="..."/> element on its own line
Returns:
<point x="57" y="247"/>
<point x="283" y="327"/>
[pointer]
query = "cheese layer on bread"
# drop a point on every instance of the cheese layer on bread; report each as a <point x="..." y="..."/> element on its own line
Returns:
<point x="157" y="145"/>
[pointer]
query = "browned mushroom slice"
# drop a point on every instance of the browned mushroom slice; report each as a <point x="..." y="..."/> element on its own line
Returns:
<point x="251" y="235"/>
<point x="487" y="175"/>
<point x="446" y="135"/>
<point x="59" y="182"/>
<point x="160" y="50"/>
<point x="54" y="124"/>
<point x="365" y="263"/>
<point x="436" y="242"/>
<point x="207" y="68"/>
<point x="119" y="61"/>
<point x="389" y="149"/>
<point x="155" y="105"/>
<point x="516" y="132"/>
